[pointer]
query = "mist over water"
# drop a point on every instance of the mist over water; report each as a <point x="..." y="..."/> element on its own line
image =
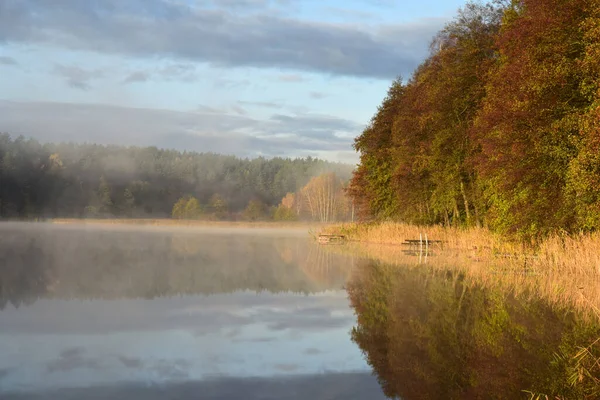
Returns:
<point x="136" y="313"/>
<point x="126" y="312"/>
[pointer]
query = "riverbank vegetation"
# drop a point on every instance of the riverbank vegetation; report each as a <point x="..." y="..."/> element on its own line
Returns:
<point x="498" y="127"/>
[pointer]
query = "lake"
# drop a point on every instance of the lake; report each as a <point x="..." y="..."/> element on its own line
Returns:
<point x="260" y="313"/>
<point x="147" y="313"/>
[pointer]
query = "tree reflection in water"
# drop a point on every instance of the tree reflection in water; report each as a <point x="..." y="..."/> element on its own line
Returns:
<point x="428" y="334"/>
<point x="50" y="262"/>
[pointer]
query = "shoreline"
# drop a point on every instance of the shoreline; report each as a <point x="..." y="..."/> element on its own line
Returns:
<point x="184" y="223"/>
<point x="565" y="271"/>
<point x="562" y="254"/>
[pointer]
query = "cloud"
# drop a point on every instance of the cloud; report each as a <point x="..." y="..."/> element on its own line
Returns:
<point x="133" y="363"/>
<point x="185" y="72"/>
<point x="169" y="370"/>
<point x="238" y="109"/>
<point x="317" y="95"/>
<point x="4" y="372"/>
<point x="215" y="35"/>
<point x="77" y="77"/>
<point x="172" y="72"/>
<point x="71" y="359"/>
<point x="313" y="126"/>
<point x="307" y="319"/>
<point x="204" y="130"/>
<point x="262" y="104"/>
<point x="137" y="76"/>
<point x="4" y="60"/>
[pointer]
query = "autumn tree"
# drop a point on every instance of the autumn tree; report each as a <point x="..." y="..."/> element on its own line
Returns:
<point x="287" y="211"/>
<point x="583" y="177"/>
<point x="187" y="207"/>
<point x="529" y="124"/>
<point x="416" y="152"/>
<point x="324" y="197"/>
<point x="218" y="205"/>
<point x="255" y="211"/>
<point x="371" y="186"/>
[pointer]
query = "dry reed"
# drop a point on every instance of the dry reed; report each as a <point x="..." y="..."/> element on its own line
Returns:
<point x="558" y="254"/>
<point x="562" y="270"/>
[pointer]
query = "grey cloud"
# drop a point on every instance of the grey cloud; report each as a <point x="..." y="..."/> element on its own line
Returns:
<point x="4" y="372"/>
<point x="314" y="126"/>
<point x="248" y="4"/>
<point x="131" y="362"/>
<point x="212" y="110"/>
<point x="309" y="319"/>
<point x="203" y="130"/>
<point x="169" y="370"/>
<point x="71" y="359"/>
<point x="238" y="109"/>
<point x="317" y="95"/>
<point x="185" y="72"/>
<point x="4" y="60"/>
<point x="163" y="28"/>
<point x="138" y="76"/>
<point x="77" y="77"/>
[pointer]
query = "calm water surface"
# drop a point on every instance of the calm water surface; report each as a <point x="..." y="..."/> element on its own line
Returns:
<point x="129" y="313"/>
<point x="213" y="313"/>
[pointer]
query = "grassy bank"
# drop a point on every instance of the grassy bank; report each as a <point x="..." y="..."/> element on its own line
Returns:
<point x="568" y="255"/>
<point x="564" y="271"/>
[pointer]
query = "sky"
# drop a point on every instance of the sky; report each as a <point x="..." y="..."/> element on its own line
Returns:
<point x="226" y="76"/>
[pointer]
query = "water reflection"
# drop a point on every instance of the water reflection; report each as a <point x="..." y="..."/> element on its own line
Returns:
<point x="429" y="334"/>
<point x="120" y="313"/>
<point x="55" y="262"/>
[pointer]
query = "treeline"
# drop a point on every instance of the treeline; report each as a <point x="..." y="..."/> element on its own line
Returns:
<point x="88" y="180"/>
<point x="499" y="126"/>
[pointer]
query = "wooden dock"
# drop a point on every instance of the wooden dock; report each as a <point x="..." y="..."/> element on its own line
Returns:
<point x="423" y="245"/>
<point x="331" y="239"/>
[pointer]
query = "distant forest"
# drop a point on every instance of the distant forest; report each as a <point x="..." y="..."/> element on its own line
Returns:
<point x="88" y="180"/>
<point x="499" y="126"/>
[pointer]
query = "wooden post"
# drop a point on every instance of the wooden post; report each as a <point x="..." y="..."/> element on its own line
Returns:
<point x="420" y="246"/>
<point x="426" y="248"/>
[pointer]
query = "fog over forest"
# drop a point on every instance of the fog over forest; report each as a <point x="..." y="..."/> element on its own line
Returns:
<point x="89" y="180"/>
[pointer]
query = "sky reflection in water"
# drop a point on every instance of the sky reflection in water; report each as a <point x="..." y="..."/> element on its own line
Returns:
<point x="129" y="311"/>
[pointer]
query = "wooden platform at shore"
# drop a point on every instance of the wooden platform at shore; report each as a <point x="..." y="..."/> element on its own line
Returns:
<point x="422" y="246"/>
<point x="331" y="239"/>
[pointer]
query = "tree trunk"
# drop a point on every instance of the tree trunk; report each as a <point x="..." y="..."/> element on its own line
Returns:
<point x="456" y="216"/>
<point x="464" y="196"/>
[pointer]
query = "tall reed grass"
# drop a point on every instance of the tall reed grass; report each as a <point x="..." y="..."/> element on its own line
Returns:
<point x="558" y="254"/>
